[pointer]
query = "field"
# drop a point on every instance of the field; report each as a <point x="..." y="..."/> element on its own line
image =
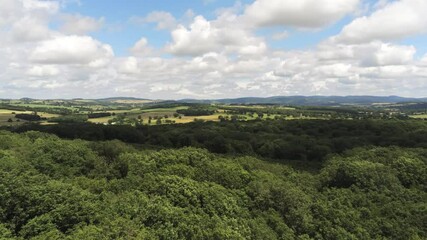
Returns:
<point x="7" y="115"/>
<point x="144" y="112"/>
<point x="420" y="116"/>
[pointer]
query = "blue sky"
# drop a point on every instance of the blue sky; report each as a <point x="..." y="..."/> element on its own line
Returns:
<point x="121" y="33"/>
<point x="212" y="48"/>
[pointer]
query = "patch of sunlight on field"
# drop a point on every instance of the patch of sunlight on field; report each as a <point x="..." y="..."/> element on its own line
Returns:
<point x="420" y="116"/>
<point x="47" y="115"/>
<point x="7" y="111"/>
<point x="260" y="107"/>
<point x="99" y="120"/>
<point x="188" y="119"/>
<point x="6" y="114"/>
<point x="165" y="109"/>
<point x="41" y="106"/>
<point x="135" y="110"/>
<point x="133" y="101"/>
<point x="48" y="123"/>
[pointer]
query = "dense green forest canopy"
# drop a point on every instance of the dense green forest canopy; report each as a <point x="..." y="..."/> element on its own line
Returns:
<point x="74" y="189"/>
<point x="280" y="140"/>
<point x="262" y="179"/>
<point x="196" y="111"/>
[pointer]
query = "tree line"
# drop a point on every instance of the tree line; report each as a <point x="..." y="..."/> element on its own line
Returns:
<point x="279" y="140"/>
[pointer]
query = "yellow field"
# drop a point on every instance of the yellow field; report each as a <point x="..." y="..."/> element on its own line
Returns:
<point x="421" y="116"/>
<point x="165" y="109"/>
<point x="187" y="119"/>
<point x="260" y="107"/>
<point x="47" y="115"/>
<point x="48" y="123"/>
<point x="5" y="114"/>
<point x="100" y="120"/>
<point x="7" y="111"/>
<point x="133" y="101"/>
<point x="135" y="110"/>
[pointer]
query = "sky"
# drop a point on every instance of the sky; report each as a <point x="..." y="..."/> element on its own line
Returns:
<point x="210" y="49"/>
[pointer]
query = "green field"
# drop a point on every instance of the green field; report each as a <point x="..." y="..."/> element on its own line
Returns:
<point x="165" y="109"/>
<point x="6" y="114"/>
<point x="421" y="116"/>
<point x="130" y="112"/>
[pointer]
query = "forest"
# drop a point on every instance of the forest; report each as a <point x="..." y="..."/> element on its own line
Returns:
<point x="281" y="140"/>
<point x="275" y="179"/>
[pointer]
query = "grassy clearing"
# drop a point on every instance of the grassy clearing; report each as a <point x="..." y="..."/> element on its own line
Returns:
<point x="420" y="116"/>
<point x="7" y="111"/>
<point x="6" y="114"/>
<point x="47" y="115"/>
<point x="187" y="119"/>
<point x="135" y="110"/>
<point x="174" y="109"/>
<point x="100" y="120"/>
<point x="133" y="101"/>
<point x="260" y="107"/>
<point x="48" y="123"/>
<point x="32" y="105"/>
<point x="5" y="117"/>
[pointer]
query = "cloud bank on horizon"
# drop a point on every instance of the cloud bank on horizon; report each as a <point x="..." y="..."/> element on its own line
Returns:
<point x="212" y="48"/>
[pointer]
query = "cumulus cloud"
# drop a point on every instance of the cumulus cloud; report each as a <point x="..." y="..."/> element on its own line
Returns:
<point x="80" y="25"/>
<point x="141" y="48"/>
<point x="164" y="20"/>
<point x="300" y="14"/>
<point x="30" y="29"/>
<point x="205" y="36"/>
<point x="396" y="20"/>
<point x="129" y="66"/>
<point x="368" y="54"/>
<point x="71" y="50"/>
<point x="222" y="56"/>
<point x="26" y="20"/>
<point x="382" y="54"/>
<point x="43" y="71"/>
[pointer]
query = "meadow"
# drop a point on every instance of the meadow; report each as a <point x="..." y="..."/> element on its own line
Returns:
<point x="145" y="112"/>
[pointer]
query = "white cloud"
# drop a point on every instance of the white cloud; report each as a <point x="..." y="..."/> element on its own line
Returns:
<point x="164" y="20"/>
<point x="396" y="20"/>
<point x="129" y="66"/>
<point x="301" y="13"/>
<point x="141" y="48"/>
<point x="223" y="57"/>
<point x="7" y="11"/>
<point x="43" y="71"/>
<point x="71" y="50"/>
<point x="30" y="29"/>
<point x="163" y="87"/>
<point x="386" y="54"/>
<point x="26" y="20"/>
<point x="50" y="7"/>
<point x="369" y="54"/>
<point x="80" y="25"/>
<point x="205" y="36"/>
<point x="336" y="70"/>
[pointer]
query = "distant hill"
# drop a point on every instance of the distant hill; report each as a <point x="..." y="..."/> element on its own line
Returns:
<point x="282" y="100"/>
<point x="120" y="99"/>
<point x="311" y="100"/>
